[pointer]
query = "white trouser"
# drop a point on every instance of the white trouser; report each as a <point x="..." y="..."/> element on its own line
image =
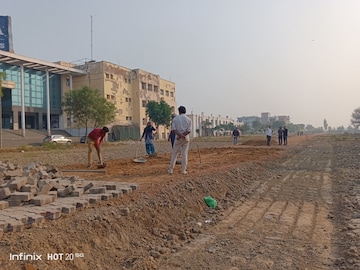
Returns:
<point x="181" y="145"/>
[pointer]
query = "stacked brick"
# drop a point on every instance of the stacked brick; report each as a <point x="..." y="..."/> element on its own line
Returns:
<point x="31" y="194"/>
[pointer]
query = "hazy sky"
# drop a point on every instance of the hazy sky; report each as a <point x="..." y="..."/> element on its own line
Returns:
<point x="230" y="57"/>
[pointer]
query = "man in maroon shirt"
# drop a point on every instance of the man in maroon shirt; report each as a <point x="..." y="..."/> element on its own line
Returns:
<point x="95" y="138"/>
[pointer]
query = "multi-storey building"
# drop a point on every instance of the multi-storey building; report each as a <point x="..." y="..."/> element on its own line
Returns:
<point x="32" y="92"/>
<point x="202" y="124"/>
<point x="249" y="120"/>
<point x="129" y="89"/>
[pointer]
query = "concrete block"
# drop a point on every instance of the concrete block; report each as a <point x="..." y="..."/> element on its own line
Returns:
<point x="32" y="180"/>
<point x="22" y="196"/>
<point x="29" y="188"/>
<point x="4" y="193"/>
<point x="42" y="200"/>
<point x="53" y="193"/>
<point x="4" y="205"/>
<point x="116" y="193"/>
<point x="44" y="189"/>
<point x="82" y="204"/>
<point x="88" y="186"/>
<point x="126" y="190"/>
<point x="97" y="190"/>
<point x="64" y="208"/>
<point x="77" y="192"/>
<point x="92" y="198"/>
<point x="12" y="225"/>
<point x="134" y="187"/>
<point x="106" y="196"/>
<point x="33" y="218"/>
<point x="110" y="186"/>
<point x="13" y="203"/>
<point x="52" y="213"/>
<point x="65" y="192"/>
<point x="68" y="209"/>
<point x="13" y="173"/>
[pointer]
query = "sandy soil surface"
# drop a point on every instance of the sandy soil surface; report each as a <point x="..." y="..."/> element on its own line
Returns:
<point x="278" y="207"/>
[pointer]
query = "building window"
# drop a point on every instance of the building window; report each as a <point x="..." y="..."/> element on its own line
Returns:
<point x="150" y="87"/>
<point x="112" y="97"/>
<point x="144" y="103"/>
<point x="107" y="75"/>
<point x="125" y="80"/>
<point x="107" y="96"/>
<point x="171" y="94"/>
<point x="129" y="99"/>
<point x="167" y="93"/>
<point x="128" y="118"/>
<point x="143" y="86"/>
<point x="156" y="88"/>
<point x="126" y="99"/>
<point x="162" y="92"/>
<point x="129" y="80"/>
<point x="111" y="76"/>
<point x="144" y="121"/>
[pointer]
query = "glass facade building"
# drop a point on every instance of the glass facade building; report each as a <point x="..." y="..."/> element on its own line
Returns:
<point x="32" y="92"/>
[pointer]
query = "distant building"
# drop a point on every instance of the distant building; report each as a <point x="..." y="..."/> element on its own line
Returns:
<point x="206" y="124"/>
<point x="249" y="120"/>
<point x="284" y="118"/>
<point x="32" y="92"/>
<point x="265" y="118"/>
<point x="129" y="89"/>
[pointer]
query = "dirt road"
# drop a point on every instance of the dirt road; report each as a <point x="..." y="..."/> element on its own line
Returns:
<point x="279" y="207"/>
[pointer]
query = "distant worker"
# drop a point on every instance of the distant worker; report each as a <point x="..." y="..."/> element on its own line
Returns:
<point x="236" y="134"/>
<point x="172" y="134"/>
<point x="95" y="138"/>
<point x="268" y="135"/>
<point x="149" y="139"/>
<point x="181" y="126"/>
<point x="280" y="135"/>
<point x="285" y="135"/>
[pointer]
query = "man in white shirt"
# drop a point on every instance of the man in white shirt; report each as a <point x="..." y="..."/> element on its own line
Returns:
<point x="181" y="126"/>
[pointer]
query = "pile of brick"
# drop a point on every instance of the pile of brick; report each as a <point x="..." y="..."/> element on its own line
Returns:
<point x="33" y="193"/>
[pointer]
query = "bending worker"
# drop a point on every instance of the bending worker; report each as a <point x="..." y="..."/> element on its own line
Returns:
<point x="95" y="138"/>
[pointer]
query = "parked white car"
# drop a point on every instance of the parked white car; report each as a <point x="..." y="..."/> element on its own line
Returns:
<point x="57" y="139"/>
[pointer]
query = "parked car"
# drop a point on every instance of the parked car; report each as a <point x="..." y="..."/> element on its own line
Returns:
<point x="83" y="139"/>
<point x="57" y="139"/>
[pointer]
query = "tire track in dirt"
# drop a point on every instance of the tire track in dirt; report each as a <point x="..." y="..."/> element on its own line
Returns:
<point x="283" y="225"/>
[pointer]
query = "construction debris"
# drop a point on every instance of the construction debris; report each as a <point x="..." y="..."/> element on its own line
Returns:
<point x="36" y="192"/>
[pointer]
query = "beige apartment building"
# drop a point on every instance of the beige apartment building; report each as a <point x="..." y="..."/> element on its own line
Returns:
<point x="129" y="89"/>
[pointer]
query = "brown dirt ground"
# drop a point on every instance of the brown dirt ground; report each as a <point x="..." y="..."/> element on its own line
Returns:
<point x="279" y="207"/>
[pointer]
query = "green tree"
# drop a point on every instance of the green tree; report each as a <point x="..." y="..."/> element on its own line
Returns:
<point x="159" y="113"/>
<point x="325" y="124"/>
<point x="355" y="120"/>
<point x="245" y="128"/>
<point x="257" y="126"/>
<point x="87" y="106"/>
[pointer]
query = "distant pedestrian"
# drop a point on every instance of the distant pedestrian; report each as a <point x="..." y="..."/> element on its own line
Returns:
<point x="268" y="135"/>
<point x="95" y="138"/>
<point x="280" y="135"/>
<point x="171" y="138"/>
<point x="285" y="135"/>
<point x="236" y="134"/>
<point x="172" y="134"/>
<point x="149" y="139"/>
<point x="181" y="126"/>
